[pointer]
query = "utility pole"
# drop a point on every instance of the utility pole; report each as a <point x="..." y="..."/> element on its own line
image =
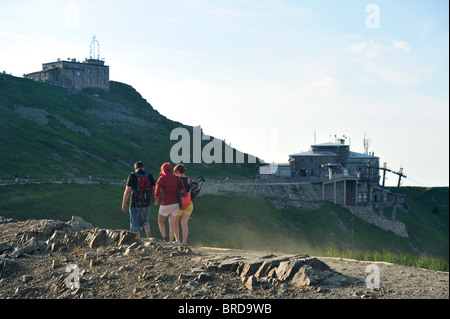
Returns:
<point x="400" y="175"/>
<point x="369" y="184"/>
<point x="382" y="188"/>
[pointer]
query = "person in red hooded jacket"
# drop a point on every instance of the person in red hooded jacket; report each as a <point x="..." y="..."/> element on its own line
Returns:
<point x="167" y="186"/>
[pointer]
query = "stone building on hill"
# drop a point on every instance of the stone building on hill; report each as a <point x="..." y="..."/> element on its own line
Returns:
<point x="73" y="74"/>
<point x="338" y="174"/>
<point x="346" y="177"/>
<point x="328" y="160"/>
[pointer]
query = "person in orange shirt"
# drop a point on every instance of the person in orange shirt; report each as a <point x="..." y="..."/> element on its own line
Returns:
<point x="184" y="215"/>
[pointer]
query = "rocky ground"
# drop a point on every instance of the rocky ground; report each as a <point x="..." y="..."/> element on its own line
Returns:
<point x="49" y="259"/>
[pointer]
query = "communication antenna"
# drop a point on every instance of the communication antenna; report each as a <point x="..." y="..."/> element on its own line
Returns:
<point x="94" y="49"/>
<point x="366" y="145"/>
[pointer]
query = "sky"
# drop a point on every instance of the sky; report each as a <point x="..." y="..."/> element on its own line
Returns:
<point x="268" y="77"/>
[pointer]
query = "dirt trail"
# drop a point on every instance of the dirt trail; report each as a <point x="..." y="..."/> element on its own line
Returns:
<point x="40" y="259"/>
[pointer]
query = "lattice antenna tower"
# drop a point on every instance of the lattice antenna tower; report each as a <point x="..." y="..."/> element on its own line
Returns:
<point x="94" y="49"/>
<point x="367" y="142"/>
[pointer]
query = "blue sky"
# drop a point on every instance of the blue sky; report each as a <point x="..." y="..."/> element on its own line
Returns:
<point x="269" y="77"/>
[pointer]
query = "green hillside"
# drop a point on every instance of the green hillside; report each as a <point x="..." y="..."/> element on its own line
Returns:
<point x="428" y="219"/>
<point x="50" y="132"/>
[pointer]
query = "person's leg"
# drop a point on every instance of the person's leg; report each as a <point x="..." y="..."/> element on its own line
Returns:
<point x="184" y="226"/>
<point x="162" y="227"/>
<point x="172" y="218"/>
<point x="144" y="220"/>
<point x="134" y="221"/>
<point x="177" y="228"/>
<point x="147" y="230"/>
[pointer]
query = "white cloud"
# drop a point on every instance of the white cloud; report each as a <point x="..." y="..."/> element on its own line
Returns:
<point x="369" y="48"/>
<point x="402" y="45"/>
<point x="376" y="50"/>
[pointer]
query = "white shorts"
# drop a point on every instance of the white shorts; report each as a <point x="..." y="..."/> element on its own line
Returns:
<point x="169" y="210"/>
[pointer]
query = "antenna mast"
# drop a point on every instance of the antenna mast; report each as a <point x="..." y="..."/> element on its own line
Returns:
<point x="94" y="48"/>
<point x="366" y="145"/>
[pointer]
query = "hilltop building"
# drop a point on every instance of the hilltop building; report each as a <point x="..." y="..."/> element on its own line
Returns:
<point x="73" y="74"/>
<point x="346" y="177"/>
<point x="328" y="160"/>
<point x="342" y="176"/>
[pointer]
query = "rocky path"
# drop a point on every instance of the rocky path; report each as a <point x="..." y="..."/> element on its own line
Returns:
<point x="48" y="259"/>
<point x="355" y="279"/>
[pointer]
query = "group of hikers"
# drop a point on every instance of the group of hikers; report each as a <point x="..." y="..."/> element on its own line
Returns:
<point x="172" y="186"/>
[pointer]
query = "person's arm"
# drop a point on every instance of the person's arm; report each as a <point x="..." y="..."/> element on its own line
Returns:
<point x="153" y="184"/>
<point x="158" y="188"/>
<point x="126" y="196"/>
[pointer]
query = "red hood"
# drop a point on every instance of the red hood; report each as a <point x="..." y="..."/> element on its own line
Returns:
<point x="166" y="169"/>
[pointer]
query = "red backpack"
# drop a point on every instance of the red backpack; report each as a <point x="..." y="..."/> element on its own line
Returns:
<point x="143" y="189"/>
<point x="184" y="197"/>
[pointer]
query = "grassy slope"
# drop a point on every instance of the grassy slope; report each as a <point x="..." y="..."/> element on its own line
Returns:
<point x="429" y="214"/>
<point x="84" y="135"/>
<point x="98" y="204"/>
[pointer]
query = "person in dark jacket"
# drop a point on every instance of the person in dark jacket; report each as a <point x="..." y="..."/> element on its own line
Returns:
<point x="139" y="209"/>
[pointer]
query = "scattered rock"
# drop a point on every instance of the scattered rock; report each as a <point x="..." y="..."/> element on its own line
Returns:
<point x="30" y="246"/>
<point x="250" y="268"/>
<point x="204" y="277"/>
<point x="8" y="267"/>
<point x="251" y="282"/>
<point x="78" y="224"/>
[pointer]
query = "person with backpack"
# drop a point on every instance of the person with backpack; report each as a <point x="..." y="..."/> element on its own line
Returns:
<point x="167" y="186"/>
<point x="140" y="185"/>
<point x="183" y="214"/>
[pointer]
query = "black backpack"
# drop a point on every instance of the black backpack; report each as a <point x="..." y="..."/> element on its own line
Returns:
<point x="143" y="190"/>
<point x="196" y="187"/>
